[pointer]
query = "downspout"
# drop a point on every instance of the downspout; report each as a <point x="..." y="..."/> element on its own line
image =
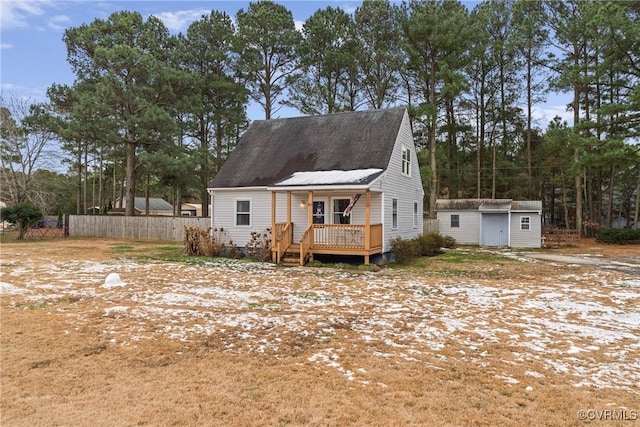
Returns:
<point x="210" y="191"/>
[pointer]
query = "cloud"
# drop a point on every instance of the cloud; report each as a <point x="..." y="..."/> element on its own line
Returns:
<point x="298" y="24"/>
<point x="180" y="20"/>
<point x="59" y="22"/>
<point x="16" y="13"/>
<point x="545" y="113"/>
<point x="6" y="46"/>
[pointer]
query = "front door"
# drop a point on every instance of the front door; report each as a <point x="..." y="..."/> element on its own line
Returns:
<point x="318" y="212"/>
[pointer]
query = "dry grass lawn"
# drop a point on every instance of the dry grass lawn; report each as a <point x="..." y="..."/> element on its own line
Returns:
<point x="471" y="337"/>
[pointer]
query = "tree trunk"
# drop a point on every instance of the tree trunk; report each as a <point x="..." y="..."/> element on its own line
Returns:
<point x="131" y="174"/>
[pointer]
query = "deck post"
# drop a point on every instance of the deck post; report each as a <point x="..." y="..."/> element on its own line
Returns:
<point x="288" y="207"/>
<point x="310" y="214"/>
<point x="367" y="225"/>
<point x="274" y="241"/>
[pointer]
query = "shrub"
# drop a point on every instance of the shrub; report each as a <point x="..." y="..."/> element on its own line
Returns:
<point x="448" y="242"/>
<point x="22" y="215"/>
<point x="404" y="250"/>
<point x="259" y="247"/>
<point x="619" y="236"/>
<point x="430" y="244"/>
<point x="199" y="242"/>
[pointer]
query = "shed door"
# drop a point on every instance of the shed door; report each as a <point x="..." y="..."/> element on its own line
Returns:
<point x="495" y="229"/>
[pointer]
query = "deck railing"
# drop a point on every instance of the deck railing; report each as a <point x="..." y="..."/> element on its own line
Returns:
<point x="346" y="236"/>
<point x="284" y="237"/>
<point x="306" y="241"/>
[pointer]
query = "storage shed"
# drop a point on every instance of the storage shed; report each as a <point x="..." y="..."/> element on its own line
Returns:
<point x="491" y="222"/>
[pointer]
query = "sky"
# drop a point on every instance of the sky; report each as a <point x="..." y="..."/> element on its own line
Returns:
<point x="33" y="55"/>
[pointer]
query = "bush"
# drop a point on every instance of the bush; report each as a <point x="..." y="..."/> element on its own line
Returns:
<point x="211" y="243"/>
<point x="619" y="236"/>
<point x="259" y="247"/>
<point x="404" y="250"/>
<point x="22" y="215"/>
<point x="428" y="244"/>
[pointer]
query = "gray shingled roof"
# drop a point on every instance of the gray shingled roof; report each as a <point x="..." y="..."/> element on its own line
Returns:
<point x="155" y="204"/>
<point x="271" y="150"/>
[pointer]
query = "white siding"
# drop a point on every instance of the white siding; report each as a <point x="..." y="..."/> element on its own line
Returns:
<point x="526" y="238"/>
<point x="469" y="231"/>
<point x="223" y="213"/>
<point x="406" y="189"/>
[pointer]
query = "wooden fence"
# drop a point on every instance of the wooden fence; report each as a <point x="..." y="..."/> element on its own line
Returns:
<point x="430" y="225"/>
<point x="167" y="228"/>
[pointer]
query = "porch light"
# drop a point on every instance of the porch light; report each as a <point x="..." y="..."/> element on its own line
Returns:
<point x="303" y="204"/>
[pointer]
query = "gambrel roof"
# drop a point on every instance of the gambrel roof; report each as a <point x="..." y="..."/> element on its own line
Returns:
<point x="272" y="151"/>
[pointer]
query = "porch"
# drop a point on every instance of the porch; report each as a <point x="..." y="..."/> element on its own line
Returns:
<point x="322" y="238"/>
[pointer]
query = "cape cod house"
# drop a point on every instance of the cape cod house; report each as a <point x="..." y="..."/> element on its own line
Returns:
<point x="341" y="184"/>
<point x="491" y="222"/>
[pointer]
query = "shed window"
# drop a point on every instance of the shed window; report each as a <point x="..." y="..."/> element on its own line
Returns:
<point x="394" y="213"/>
<point x="455" y="221"/>
<point x="243" y="212"/>
<point x="406" y="162"/>
<point x="525" y="223"/>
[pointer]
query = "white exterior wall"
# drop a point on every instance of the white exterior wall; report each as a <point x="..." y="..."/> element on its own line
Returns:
<point x="469" y="231"/>
<point x="526" y="238"/>
<point x="223" y="213"/>
<point x="406" y="189"/>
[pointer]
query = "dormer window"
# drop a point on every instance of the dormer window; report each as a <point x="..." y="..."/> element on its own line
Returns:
<point x="406" y="162"/>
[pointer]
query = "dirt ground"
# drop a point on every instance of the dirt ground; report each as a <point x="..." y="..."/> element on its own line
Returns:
<point x="471" y="337"/>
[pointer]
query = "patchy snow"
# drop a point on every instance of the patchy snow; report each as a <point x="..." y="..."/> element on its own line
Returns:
<point x="6" y="289"/>
<point x="333" y="177"/>
<point x="584" y="326"/>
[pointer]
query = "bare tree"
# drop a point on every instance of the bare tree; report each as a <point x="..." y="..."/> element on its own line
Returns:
<point x="22" y="147"/>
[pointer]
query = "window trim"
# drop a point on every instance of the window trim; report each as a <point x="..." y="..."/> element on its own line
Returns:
<point x="528" y="223"/>
<point x="236" y="213"/>
<point x="405" y="167"/>
<point x="456" y="223"/>
<point x="394" y="214"/>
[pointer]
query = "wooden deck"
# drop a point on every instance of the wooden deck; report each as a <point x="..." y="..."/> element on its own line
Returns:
<point x="329" y="239"/>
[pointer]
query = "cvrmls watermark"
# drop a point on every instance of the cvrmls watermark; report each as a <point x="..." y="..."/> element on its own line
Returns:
<point x="608" y="415"/>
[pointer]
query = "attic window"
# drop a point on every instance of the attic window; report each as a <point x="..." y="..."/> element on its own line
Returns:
<point x="406" y="162"/>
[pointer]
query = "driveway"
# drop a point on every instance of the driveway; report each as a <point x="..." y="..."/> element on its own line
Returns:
<point x="624" y="264"/>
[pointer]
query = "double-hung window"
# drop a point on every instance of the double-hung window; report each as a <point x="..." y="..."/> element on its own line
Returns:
<point x="415" y="215"/>
<point x="525" y="223"/>
<point x="243" y="212"/>
<point x="455" y="221"/>
<point x="339" y="205"/>
<point x="406" y="162"/>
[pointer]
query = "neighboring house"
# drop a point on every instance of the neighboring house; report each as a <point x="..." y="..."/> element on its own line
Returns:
<point x="340" y="184"/>
<point x="191" y="209"/>
<point x="157" y="207"/>
<point x="491" y="222"/>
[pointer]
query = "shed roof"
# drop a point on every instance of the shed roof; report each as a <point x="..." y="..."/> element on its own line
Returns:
<point x="274" y="150"/>
<point x="155" y="204"/>
<point x="488" y="205"/>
